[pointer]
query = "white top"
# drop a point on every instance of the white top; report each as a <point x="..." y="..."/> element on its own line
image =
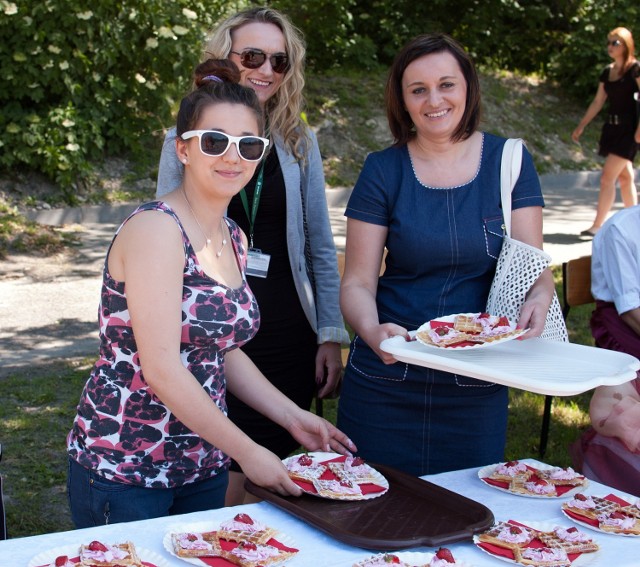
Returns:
<point x="615" y="261"/>
<point x="317" y="549"/>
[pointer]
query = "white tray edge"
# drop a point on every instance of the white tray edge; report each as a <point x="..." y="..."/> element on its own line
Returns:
<point x="450" y="361"/>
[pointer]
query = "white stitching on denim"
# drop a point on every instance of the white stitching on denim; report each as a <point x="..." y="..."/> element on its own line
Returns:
<point x="486" y="385"/>
<point x="404" y="375"/>
<point x="453" y="186"/>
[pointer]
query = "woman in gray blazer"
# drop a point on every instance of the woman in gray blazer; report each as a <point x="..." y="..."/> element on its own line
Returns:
<point x="283" y="210"/>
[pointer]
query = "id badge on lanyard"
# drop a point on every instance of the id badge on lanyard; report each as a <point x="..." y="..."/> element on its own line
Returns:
<point x="257" y="261"/>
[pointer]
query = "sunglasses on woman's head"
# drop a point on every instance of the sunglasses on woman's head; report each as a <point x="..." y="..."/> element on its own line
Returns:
<point x="214" y="143"/>
<point x="255" y="58"/>
<point x="614" y="43"/>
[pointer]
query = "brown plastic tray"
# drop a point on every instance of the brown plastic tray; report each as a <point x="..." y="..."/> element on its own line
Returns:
<point x="413" y="513"/>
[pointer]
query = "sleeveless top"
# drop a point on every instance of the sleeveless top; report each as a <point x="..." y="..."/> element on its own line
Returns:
<point x="621" y="91"/>
<point x="122" y="430"/>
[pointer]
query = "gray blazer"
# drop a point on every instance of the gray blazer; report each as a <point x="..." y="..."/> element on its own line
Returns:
<point x="323" y="309"/>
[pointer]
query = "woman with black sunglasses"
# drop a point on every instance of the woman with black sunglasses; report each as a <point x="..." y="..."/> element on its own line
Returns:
<point x="151" y="437"/>
<point x="292" y="261"/>
<point x="619" y="84"/>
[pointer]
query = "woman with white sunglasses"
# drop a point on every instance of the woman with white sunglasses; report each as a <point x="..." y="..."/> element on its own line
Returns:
<point x="619" y="82"/>
<point x="292" y="261"/>
<point x="151" y="437"/>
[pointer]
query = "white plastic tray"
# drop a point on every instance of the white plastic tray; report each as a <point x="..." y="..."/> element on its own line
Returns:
<point x="536" y="365"/>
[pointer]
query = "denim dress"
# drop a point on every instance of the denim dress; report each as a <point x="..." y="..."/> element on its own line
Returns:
<point x="443" y="244"/>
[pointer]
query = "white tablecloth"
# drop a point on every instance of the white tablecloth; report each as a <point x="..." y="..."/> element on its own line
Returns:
<point x="319" y="550"/>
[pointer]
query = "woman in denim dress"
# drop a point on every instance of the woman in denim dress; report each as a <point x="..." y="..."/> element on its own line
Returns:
<point x="433" y="201"/>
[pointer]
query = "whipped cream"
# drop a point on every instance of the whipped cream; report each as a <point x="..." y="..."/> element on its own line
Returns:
<point x="571" y="534"/>
<point x="236" y="526"/>
<point x="544" y="554"/>
<point x="511" y="469"/>
<point x="437" y="338"/>
<point x="563" y="474"/>
<point x="356" y="469"/>
<point x="623" y="523"/>
<point x="539" y="487"/>
<point x="107" y="556"/>
<point x="514" y="534"/>
<point x="382" y="560"/>
<point x="495" y="331"/>
<point x="586" y="504"/>
<point x="486" y="322"/>
<point x="193" y="541"/>
<point x="335" y="486"/>
<point x="258" y="554"/>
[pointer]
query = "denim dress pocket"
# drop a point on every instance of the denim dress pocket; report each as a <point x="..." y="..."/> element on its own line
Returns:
<point x="368" y="365"/>
<point x="468" y="382"/>
<point x="493" y="234"/>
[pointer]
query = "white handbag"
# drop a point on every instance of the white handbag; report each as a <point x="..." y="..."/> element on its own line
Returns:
<point x="519" y="264"/>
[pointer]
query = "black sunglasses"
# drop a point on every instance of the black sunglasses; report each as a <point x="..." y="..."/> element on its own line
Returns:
<point x="614" y="43"/>
<point x="255" y="58"/>
<point x="214" y="143"/>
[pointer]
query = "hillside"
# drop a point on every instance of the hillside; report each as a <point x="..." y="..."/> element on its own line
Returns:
<point x="347" y="112"/>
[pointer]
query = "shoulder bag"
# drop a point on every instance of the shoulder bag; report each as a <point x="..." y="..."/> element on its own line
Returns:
<point x="519" y="264"/>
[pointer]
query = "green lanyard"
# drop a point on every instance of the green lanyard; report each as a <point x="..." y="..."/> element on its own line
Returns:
<point x="254" y="204"/>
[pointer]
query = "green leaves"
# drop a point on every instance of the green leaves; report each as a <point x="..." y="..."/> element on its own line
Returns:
<point x="93" y="75"/>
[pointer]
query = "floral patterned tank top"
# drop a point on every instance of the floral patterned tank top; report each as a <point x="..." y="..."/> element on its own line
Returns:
<point x="122" y="430"/>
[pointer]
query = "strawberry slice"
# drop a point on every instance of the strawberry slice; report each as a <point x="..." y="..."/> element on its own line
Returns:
<point x="484" y="316"/>
<point x="446" y="555"/>
<point x="61" y="561"/>
<point x="248" y="545"/>
<point x="357" y="461"/>
<point x="244" y="519"/>
<point x="503" y="322"/>
<point x="389" y="558"/>
<point x="97" y="546"/>
<point x="305" y="460"/>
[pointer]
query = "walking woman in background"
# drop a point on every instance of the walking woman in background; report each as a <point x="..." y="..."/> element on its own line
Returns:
<point x="150" y="437"/>
<point x="619" y="83"/>
<point x="283" y="210"/>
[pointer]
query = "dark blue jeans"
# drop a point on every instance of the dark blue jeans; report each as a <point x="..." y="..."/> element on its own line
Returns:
<point x="96" y="501"/>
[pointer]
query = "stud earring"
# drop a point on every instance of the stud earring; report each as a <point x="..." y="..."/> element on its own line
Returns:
<point x="184" y="161"/>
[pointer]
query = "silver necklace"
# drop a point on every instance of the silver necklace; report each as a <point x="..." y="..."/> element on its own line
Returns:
<point x="206" y="238"/>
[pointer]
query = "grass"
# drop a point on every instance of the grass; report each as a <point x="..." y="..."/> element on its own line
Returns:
<point x="39" y="406"/>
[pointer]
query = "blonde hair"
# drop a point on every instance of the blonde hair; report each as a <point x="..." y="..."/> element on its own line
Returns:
<point x="283" y="110"/>
<point x="627" y="40"/>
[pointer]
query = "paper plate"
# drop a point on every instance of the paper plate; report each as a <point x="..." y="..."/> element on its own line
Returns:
<point x="591" y="527"/>
<point x="207" y="527"/>
<point x="149" y="558"/>
<point x="320" y="457"/>
<point x="583" y="560"/>
<point x="485" y="472"/>
<point x="451" y="319"/>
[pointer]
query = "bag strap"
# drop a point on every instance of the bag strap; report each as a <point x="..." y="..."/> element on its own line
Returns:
<point x="509" y="173"/>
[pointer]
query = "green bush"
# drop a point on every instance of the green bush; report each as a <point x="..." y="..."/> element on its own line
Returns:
<point x="87" y="79"/>
<point x="579" y="64"/>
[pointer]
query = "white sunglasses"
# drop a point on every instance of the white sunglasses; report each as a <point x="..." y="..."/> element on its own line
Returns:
<point x="215" y="143"/>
